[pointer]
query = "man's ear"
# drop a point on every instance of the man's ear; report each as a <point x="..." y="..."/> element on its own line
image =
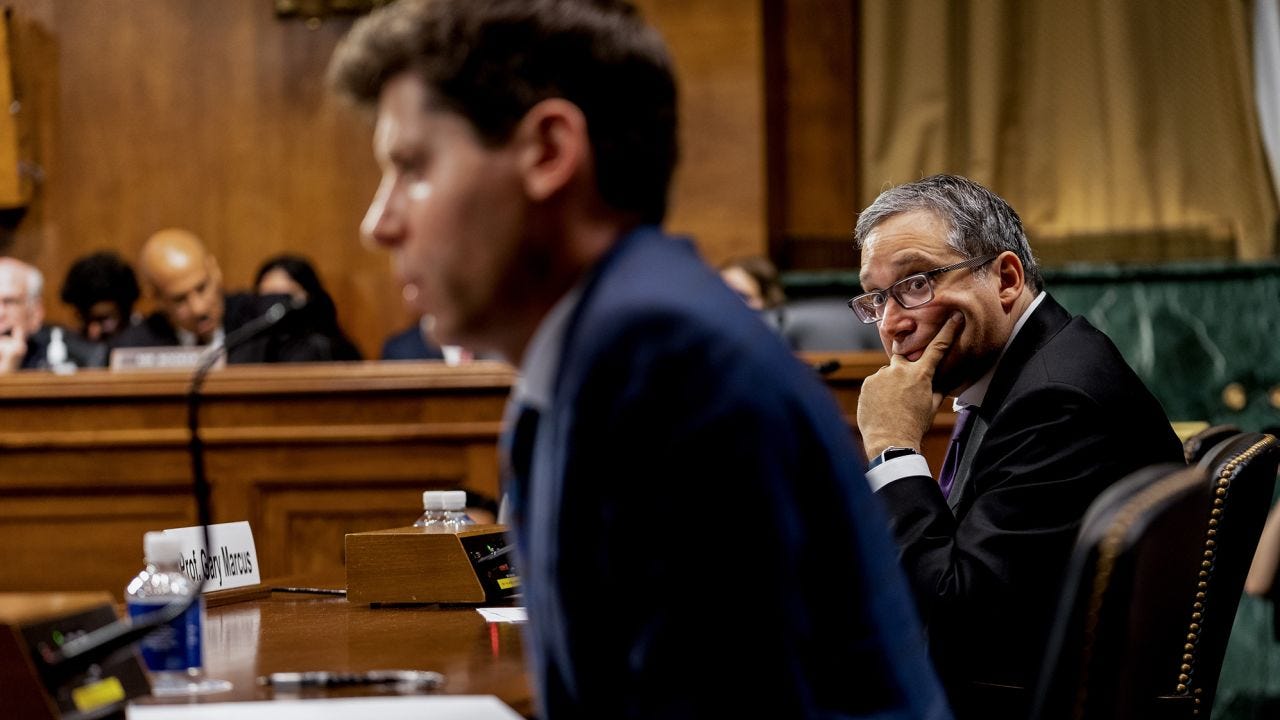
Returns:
<point x="215" y="272"/>
<point x="552" y="147"/>
<point x="1010" y="276"/>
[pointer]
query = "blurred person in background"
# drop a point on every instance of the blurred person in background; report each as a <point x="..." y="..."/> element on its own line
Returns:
<point x="26" y="343"/>
<point x="295" y="276"/>
<point x="103" y="289"/>
<point x="756" y="281"/>
<point x="186" y="283"/>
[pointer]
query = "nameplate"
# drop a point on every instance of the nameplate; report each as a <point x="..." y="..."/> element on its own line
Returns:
<point x="176" y="357"/>
<point x="230" y="562"/>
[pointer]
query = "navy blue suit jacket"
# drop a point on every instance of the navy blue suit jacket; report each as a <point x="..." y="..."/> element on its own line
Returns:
<point x="696" y="538"/>
<point x="410" y="345"/>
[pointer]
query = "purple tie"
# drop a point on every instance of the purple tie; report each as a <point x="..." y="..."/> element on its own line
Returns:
<point x="955" y="450"/>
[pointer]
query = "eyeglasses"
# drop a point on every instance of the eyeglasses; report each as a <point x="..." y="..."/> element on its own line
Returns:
<point x="911" y="291"/>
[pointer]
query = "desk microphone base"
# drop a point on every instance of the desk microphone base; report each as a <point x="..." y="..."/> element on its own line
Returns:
<point x="415" y="566"/>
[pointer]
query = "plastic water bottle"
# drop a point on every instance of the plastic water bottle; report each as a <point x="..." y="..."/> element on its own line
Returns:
<point x="174" y="653"/>
<point x="432" y="510"/>
<point x="56" y="354"/>
<point x="455" y="515"/>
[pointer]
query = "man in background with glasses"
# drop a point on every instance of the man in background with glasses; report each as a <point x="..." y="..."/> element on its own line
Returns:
<point x="1048" y="415"/>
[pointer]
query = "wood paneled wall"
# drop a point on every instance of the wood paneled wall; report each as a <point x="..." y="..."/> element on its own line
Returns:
<point x="812" y="69"/>
<point x="214" y="116"/>
<point x="719" y="191"/>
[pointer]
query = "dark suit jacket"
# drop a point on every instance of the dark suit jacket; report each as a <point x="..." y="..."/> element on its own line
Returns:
<point x="80" y="352"/>
<point x="1063" y="418"/>
<point x="410" y="345"/>
<point x="696" y="538"/>
<point x="285" y="342"/>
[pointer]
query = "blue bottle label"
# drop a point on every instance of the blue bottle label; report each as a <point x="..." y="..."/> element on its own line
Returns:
<point x="175" y="646"/>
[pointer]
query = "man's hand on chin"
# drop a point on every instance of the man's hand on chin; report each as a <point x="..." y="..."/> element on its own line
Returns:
<point x="13" y="348"/>
<point x="898" y="402"/>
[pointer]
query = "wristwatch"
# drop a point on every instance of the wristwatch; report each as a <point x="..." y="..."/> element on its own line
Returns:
<point x="890" y="453"/>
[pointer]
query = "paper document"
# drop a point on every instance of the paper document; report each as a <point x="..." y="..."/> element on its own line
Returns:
<point x="504" y="614"/>
<point x="406" y="707"/>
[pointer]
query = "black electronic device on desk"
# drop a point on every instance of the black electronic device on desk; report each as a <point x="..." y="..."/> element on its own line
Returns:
<point x="414" y="565"/>
<point x="35" y="625"/>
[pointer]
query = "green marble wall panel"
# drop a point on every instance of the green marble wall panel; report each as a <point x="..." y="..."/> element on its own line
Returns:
<point x="1204" y="337"/>
<point x="1189" y="330"/>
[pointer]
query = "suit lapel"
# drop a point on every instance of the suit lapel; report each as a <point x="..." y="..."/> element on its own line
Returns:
<point x="1044" y="323"/>
<point x="976" y="434"/>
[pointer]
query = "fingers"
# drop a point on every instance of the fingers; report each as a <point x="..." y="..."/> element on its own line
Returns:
<point x="12" y="349"/>
<point x="941" y="343"/>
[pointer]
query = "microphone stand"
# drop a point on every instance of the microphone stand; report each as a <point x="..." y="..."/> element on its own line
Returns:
<point x="102" y="644"/>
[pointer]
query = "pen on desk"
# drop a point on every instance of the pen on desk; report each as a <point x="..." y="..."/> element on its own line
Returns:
<point x="415" y="679"/>
<point x="311" y="590"/>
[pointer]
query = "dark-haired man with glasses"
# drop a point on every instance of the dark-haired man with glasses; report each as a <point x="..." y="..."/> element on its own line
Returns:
<point x="1048" y="415"/>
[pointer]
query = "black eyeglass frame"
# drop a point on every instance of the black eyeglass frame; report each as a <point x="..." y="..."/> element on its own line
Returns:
<point x="928" y="275"/>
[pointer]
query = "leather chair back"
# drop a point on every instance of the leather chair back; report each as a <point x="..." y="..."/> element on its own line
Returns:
<point x="1195" y="447"/>
<point x="1153" y="587"/>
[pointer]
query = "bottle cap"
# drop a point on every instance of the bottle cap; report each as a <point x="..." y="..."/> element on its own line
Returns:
<point x="433" y="500"/>
<point x="160" y="546"/>
<point x="455" y="499"/>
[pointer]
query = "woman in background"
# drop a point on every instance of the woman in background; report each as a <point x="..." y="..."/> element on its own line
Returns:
<point x="294" y="275"/>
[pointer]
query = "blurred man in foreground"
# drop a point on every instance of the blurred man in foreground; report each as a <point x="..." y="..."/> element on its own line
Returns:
<point x="526" y="151"/>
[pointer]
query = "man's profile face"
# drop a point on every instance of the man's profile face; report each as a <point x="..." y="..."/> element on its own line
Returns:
<point x="916" y="242"/>
<point x="16" y="310"/>
<point x="450" y="211"/>
<point x="190" y="295"/>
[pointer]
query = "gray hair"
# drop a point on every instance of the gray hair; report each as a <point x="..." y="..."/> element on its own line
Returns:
<point x="978" y="221"/>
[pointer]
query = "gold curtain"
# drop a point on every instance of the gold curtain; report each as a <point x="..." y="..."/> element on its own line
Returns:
<point x="1094" y="118"/>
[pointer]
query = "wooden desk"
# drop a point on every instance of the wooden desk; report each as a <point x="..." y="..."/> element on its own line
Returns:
<point x="305" y="453"/>
<point x="290" y="632"/>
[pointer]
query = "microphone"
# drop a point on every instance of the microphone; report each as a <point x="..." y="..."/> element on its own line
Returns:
<point x="827" y="367"/>
<point x="76" y="655"/>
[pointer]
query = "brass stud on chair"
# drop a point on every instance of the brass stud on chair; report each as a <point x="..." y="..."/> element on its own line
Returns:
<point x="1225" y="476"/>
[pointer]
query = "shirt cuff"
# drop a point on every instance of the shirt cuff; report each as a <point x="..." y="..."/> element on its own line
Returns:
<point x="896" y="469"/>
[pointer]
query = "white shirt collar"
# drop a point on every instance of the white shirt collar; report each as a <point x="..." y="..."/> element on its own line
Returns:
<point x="190" y="339"/>
<point x="977" y="392"/>
<point x="541" y="362"/>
